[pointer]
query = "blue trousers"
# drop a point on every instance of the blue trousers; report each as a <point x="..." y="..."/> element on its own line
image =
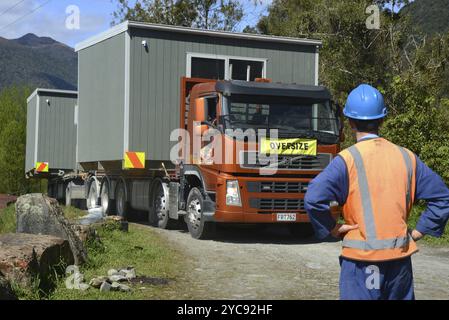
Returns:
<point x="389" y="280"/>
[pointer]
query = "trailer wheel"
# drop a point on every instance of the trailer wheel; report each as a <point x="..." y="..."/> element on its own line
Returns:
<point x="301" y="230"/>
<point x="105" y="197"/>
<point x="121" y="204"/>
<point x="158" y="215"/>
<point x="198" y="227"/>
<point x="92" y="197"/>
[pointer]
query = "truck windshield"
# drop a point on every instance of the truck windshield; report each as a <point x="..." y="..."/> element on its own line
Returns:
<point x="292" y="117"/>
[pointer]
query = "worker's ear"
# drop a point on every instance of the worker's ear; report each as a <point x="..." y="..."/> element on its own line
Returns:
<point x="352" y="124"/>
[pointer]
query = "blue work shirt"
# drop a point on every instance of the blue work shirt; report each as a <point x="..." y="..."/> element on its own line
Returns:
<point x="333" y="184"/>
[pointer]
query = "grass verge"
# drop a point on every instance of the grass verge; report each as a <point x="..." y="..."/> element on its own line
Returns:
<point x="140" y="248"/>
<point x="8" y="220"/>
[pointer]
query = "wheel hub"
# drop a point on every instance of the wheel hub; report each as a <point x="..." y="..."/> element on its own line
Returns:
<point x="194" y="213"/>
<point x="160" y="204"/>
<point x="105" y="198"/>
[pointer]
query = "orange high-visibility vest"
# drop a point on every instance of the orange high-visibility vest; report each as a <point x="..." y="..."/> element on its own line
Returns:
<point x="380" y="197"/>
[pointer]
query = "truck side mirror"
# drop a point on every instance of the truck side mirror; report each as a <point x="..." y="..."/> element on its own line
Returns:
<point x="200" y="128"/>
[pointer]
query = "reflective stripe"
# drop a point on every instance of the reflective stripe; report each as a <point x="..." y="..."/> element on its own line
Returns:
<point x="409" y="166"/>
<point x="365" y="196"/>
<point x="375" y="244"/>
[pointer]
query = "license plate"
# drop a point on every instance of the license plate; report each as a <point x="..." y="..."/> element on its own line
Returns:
<point x="286" y="216"/>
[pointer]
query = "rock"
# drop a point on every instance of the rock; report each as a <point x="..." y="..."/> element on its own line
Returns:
<point x="39" y="214"/>
<point x="23" y="257"/>
<point x="112" y="272"/>
<point x="97" y="282"/>
<point x="6" y="292"/>
<point x="115" y="223"/>
<point x="117" y="278"/>
<point x="129" y="273"/>
<point x="115" y="286"/>
<point x="85" y="233"/>
<point x="124" y="288"/>
<point x="84" y="286"/>
<point x="105" y="287"/>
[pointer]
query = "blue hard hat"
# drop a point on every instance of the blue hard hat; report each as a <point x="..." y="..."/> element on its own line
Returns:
<point x="365" y="103"/>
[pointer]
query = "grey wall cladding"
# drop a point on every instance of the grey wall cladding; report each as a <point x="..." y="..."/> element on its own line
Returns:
<point x="156" y="73"/>
<point x="56" y="139"/>
<point x="31" y="133"/>
<point x="101" y="100"/>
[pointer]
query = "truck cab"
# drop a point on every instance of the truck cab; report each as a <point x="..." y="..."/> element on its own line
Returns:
<point x="268" y="141"/>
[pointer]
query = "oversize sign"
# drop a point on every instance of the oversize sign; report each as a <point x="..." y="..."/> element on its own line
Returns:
<point x="296" y="146"/>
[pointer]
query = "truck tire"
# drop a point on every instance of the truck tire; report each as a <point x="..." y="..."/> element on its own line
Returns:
<point x="105" y="198"/>
<point x="198" y="227"/>
<point x="121" y="205"/>
<point x="301" y="230"/>
<point x="92" y="196"/>
<point x="158" y="215"/>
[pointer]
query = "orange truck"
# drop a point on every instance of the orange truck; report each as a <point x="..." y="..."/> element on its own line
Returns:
<point x="239" y="191"/>
<point x="249" y="139"/>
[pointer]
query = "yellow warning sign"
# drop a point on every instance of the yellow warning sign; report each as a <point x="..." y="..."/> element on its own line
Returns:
<point x="41" y="166"/>
<point x="296" y="146"/>
<point x="134" y="160"/>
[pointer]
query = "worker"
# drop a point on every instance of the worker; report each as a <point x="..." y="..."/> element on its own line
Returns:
<point x="376" y="182"/>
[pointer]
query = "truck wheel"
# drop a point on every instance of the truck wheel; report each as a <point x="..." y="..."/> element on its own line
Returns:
<point x="301" y="230"/>
<point x="92" y="197"/>
<point x="105" y="198"/>
<point x="121" y="204"/>
<point x="159" y="206"/>
<point x="68" y="197"/>
<point x="198" y="228"/>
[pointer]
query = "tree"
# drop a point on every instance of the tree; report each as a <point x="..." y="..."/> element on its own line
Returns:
<point x="351" y="53"/>
<point x="205" y="14"/>
<point x="410" y="69"/>
<point x="13" y="141"/>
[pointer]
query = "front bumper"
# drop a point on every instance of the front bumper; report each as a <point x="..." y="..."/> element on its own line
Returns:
<point x="262" y="199"/>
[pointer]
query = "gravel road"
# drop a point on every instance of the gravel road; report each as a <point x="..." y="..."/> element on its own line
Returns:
<point x="268" y="263"/>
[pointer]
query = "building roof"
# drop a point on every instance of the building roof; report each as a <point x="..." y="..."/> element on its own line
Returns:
<point x="273" y="89"/>
<point x="41" y="90"/>
<point x="125" y="26"/>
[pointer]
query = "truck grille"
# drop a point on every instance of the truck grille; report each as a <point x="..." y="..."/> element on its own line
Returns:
<point x="250" y="160"/>
<point x="277" y="204"/>
<point x="277" y="187"/>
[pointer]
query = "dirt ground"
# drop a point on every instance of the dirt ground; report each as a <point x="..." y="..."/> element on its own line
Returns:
<point x="268" y="263"/>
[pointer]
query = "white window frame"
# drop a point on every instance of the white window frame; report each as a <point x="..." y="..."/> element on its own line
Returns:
<point x="226" y="59"/>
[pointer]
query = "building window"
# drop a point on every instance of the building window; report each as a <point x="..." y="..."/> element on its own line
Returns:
<point x="225" y="67"/>
<point x="208" y="68"/>
<point x="245" y="69"/>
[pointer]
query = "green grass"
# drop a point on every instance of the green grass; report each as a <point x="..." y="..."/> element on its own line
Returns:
<point x="140" y="248"/>
<point x="72" y="213"/>
<point x="8" y="220"/>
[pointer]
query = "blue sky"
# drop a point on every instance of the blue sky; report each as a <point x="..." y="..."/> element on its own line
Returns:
<point x="95" y="17"/>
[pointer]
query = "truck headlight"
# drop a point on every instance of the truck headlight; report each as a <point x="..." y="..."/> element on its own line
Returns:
<point x="233" y="193"/>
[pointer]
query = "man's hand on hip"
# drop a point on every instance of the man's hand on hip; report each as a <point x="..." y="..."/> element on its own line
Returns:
<point x="341" y="229"/>
<point x="416" y="235"/>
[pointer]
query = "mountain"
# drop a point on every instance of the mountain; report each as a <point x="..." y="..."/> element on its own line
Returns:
<point x="429" y="16"/>
<point x="37" y="62"/>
